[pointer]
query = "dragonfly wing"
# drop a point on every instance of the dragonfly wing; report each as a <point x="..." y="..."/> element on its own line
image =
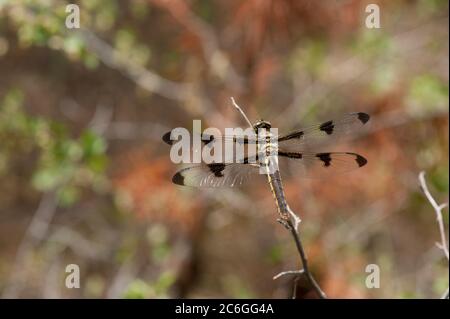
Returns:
<point x="218" y="148"/>
<point x="323" y="134"/>
<point x="321" y="164"/>
<point x="209" y="139"/>
<point x="216" y="175"/>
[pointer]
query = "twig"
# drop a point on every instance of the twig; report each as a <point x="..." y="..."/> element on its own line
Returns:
<point x="123" y="277"/>
<point x="296" y="235"/>
<point x="143" y="77"/>
<point x="217" y="60"/>
<point x="445" y="295"/>
<point x="42" y="218"/>
<point x="241" y="111"/>
<point x="33" y="235"/>
<point x="292" y="224"/>
<point x="51" y="288"/>
<point x="438" y="210"/>
<point x="288" y="272"/>
<point x="101" y="119"/>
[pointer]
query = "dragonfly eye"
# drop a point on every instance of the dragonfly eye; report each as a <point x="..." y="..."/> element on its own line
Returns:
<point x="262" y="124"/>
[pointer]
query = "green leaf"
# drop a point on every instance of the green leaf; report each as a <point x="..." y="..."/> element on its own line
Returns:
<point x="68" y="195"/>
<point x="310" y="57"/>
<point x="138" y="289"/>
<point x="46" y="179"/>
<point x="97" y="163"/>
<point x="164" y="282"/>
<point x="372" y="43"/>
<point x="73" y="45"/>
<point x="92" y="144"/>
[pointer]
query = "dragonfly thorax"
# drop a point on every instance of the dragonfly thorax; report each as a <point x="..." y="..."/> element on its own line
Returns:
<point x="267" y="144"/>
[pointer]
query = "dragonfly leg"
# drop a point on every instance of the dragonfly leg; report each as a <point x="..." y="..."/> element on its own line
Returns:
<point x="283" y="222"/>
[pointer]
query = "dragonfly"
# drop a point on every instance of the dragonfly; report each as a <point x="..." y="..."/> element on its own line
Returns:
<point x="301" y="147"/>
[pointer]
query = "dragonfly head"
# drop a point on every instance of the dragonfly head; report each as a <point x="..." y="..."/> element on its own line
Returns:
<point x="262" y="124"/>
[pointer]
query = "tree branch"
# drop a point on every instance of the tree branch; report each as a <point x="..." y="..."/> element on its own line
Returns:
<point x="33" y="236"/>
<point x="292" y="224"/>
<point x="143" y="77"/>
<point x="217" y="60"/>
<point x="438" y="210"/>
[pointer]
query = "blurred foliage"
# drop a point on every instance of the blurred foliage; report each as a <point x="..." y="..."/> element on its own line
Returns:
<point x="427" y="7"/>
<point x="158" y="239"/>
<point x="63" y="164"/>
<point x="42" y="23"/>
<point x="139" y="289"/>
<point x="427" y="93"/>
<point x="372" y="44"/>
<point x="236" y="287"/>
<point x="439" y="179"/>
<point x="309" y="57"/>
<point x="126" y="44"/>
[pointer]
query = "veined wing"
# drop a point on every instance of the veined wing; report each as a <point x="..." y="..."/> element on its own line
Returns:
<point x="322" y="134"/>
<point x="323" y="164"/>
<point x="209" y="139"/>
<point x="216" y="174"/>
<point x="219" y="148"/>
<point x="236" y="174"/>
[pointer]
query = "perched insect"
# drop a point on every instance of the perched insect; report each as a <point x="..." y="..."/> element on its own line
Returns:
<point x="299" y="146"/>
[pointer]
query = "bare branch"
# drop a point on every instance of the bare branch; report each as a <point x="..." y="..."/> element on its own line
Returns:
<point x="218" y="62"/>
<point x="143" y="77"/>
<point x="445" y="295"/>
<point x="124" y="275"/>
<point x="296" y="235"/>
<point x="288" y="272"/>
<point x="41" y="221"/>
<point x="101" y="119"/>
<point x="291" y="223"/>
<point x="33" y="235"/>
<point x="438" y="210"/>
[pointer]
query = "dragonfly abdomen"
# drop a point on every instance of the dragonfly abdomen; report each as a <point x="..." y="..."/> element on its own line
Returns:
<point x="278" y="192"/>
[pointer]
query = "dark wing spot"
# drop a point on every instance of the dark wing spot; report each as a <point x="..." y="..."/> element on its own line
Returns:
<point x="178" y="179"/>
<point x="291" y="135"/>
<point x="325" y="158"/>
<point x="290" y="154"/>
<point x="359" y="159"/>
<point x="206" y="139"/>
<point x="166" y="138"/>
<point x="327" y="127"/>
<point x="363" y="117"/>
<point x="217" y="169"/>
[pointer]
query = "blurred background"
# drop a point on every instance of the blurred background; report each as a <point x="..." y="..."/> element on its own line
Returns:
<point x="86" y="180"/>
